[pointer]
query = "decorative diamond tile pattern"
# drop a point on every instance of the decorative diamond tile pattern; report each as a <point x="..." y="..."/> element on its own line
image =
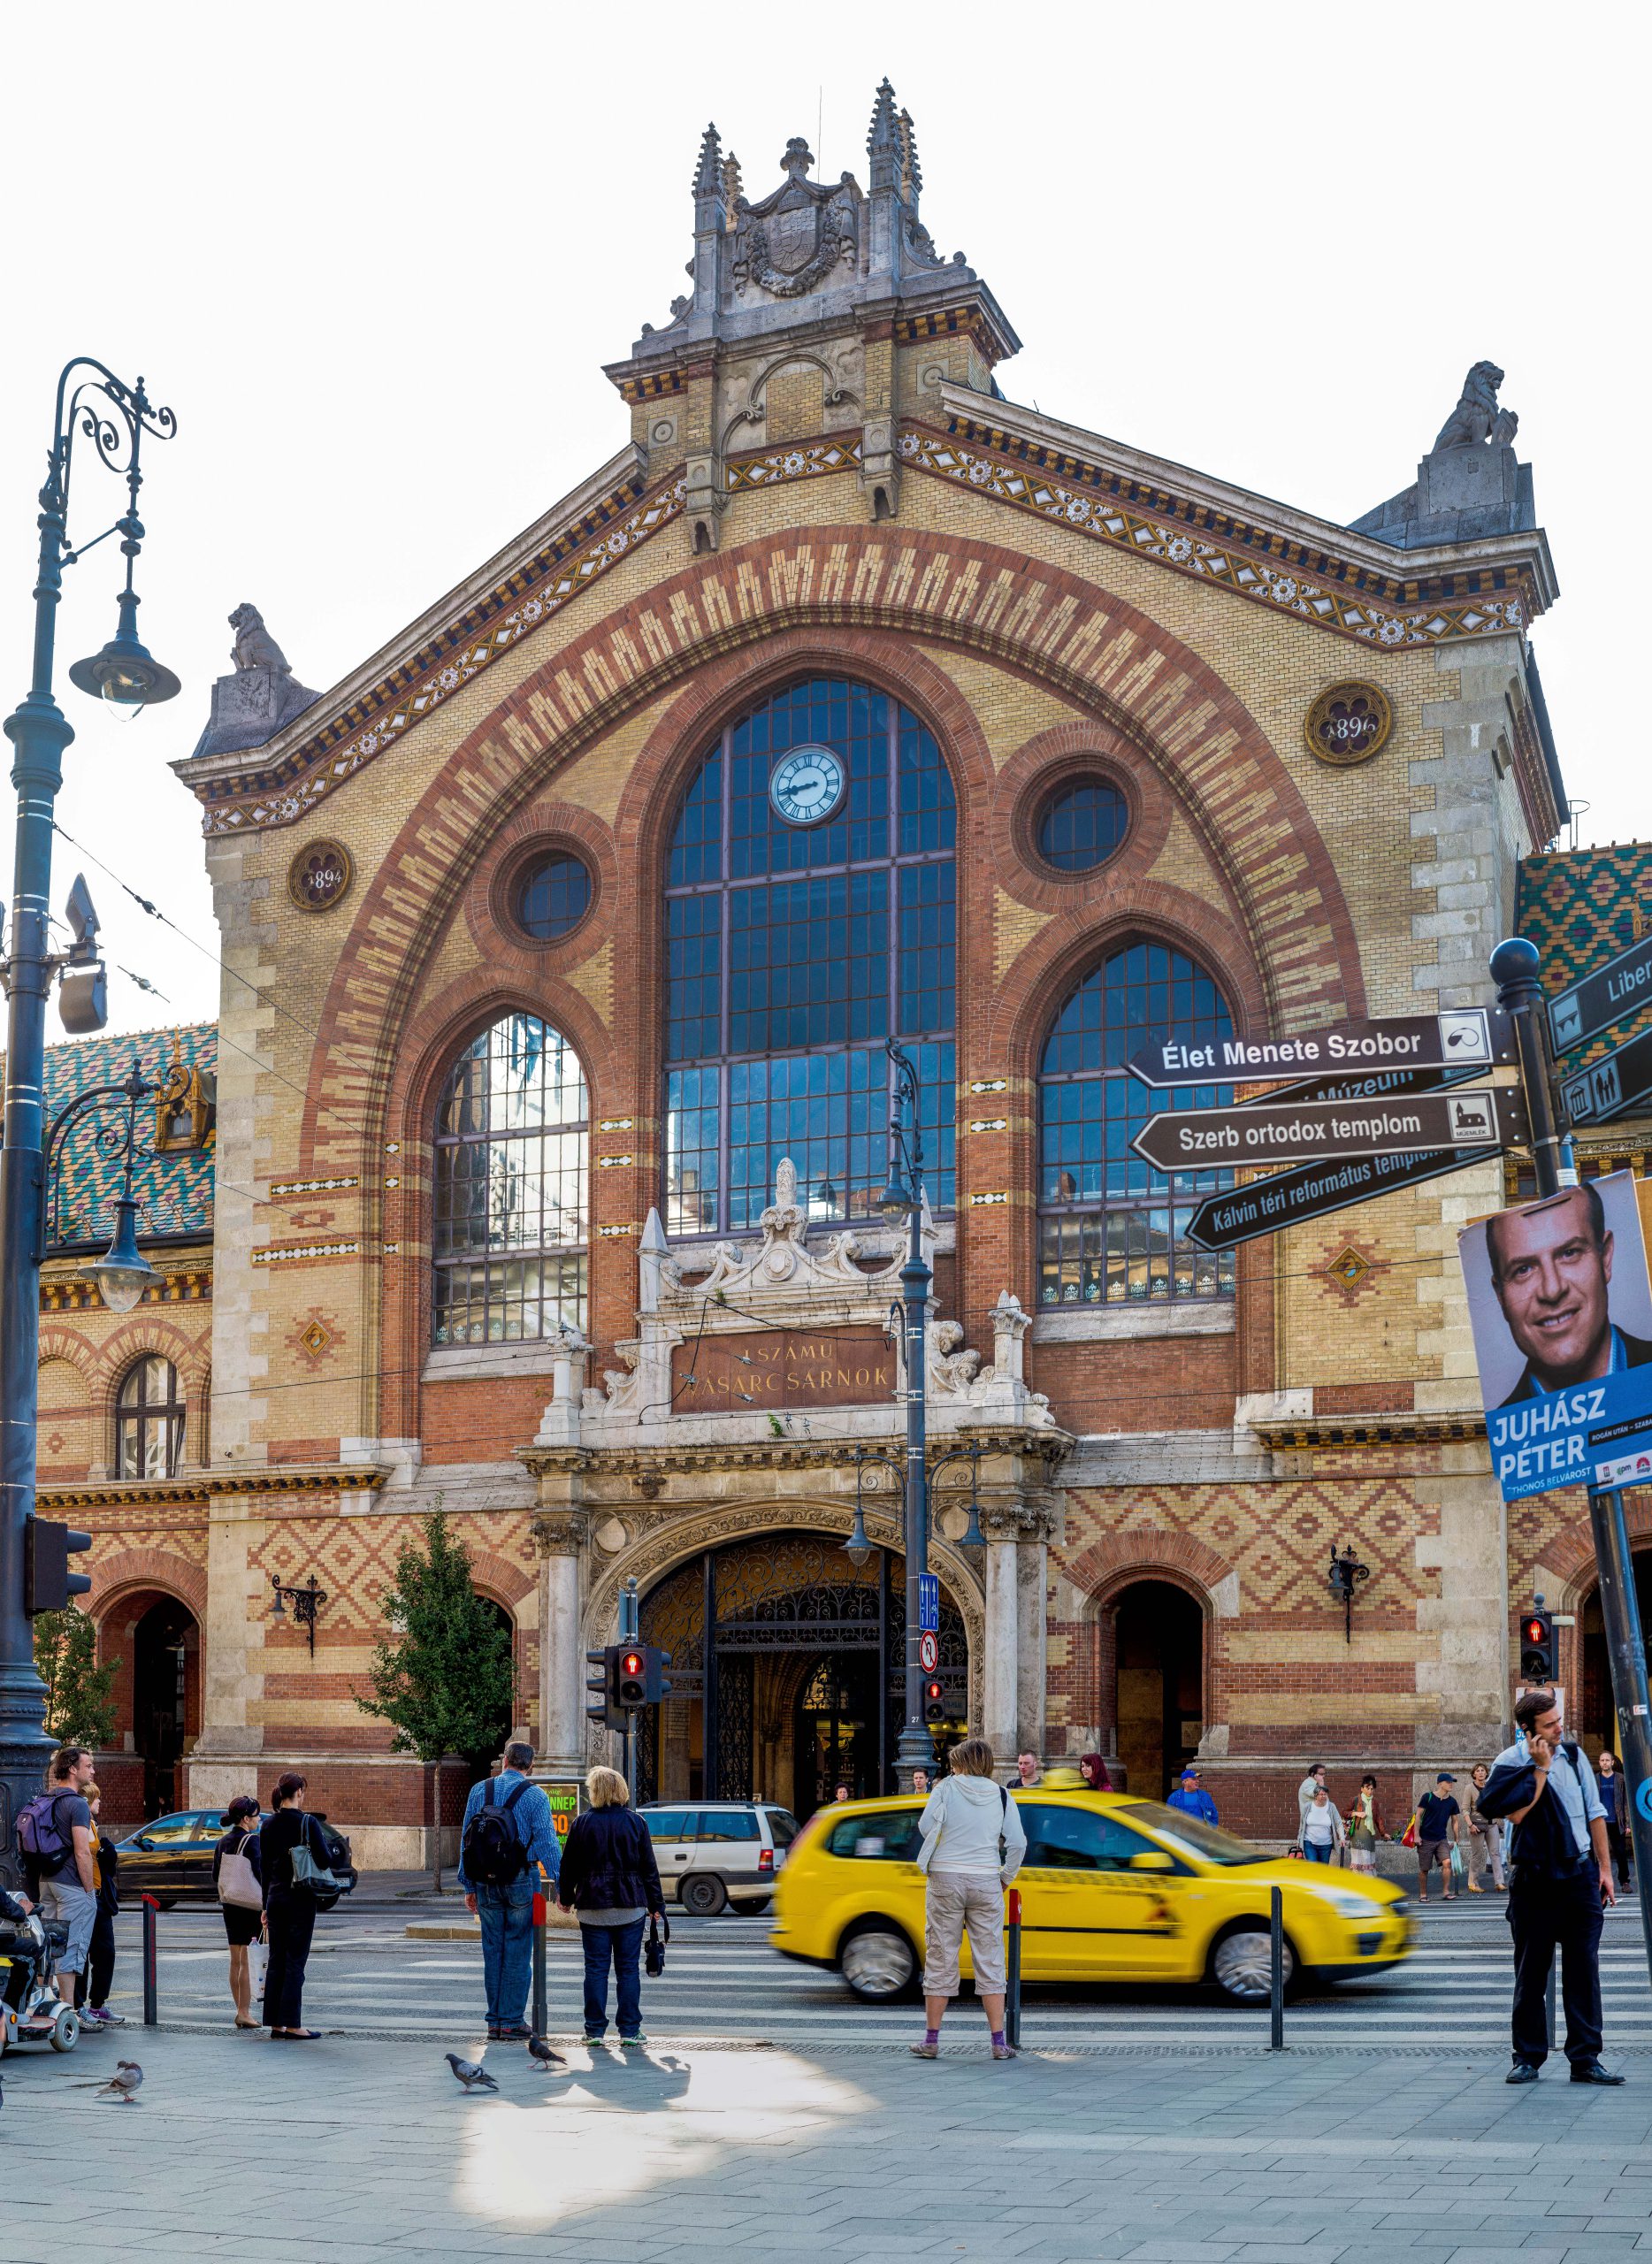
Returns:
<point x="174" y="1189"/>
<point x="1581" y="907"/>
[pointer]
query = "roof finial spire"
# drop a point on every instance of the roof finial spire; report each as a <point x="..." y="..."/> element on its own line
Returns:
<point x="911" y="171"/>
<point x="882" y="140"/>
<point x="709" y="173"/>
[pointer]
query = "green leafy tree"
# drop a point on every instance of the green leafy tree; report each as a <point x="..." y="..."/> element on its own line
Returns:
<point x="442" y="1679"/>
<point x="79" y="1707"/>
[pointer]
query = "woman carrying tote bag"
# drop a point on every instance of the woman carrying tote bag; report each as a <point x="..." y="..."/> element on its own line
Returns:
<point x="238" y="1883"/>
<point x="289" y="1852"/>
<point x="973" y="1844"/>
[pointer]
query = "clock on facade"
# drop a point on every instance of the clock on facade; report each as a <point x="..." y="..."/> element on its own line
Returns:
<point x="806" y="785"/>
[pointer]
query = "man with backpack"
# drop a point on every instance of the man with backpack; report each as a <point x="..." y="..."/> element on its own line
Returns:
<point x="54" y="1845"/>
<point x="508" y="1833"/>
<point x="1560" y="1881"/>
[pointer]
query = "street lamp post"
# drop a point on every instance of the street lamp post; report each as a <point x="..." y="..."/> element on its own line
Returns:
<point x="903" y="1198"/>
<point x="95" y="404"/>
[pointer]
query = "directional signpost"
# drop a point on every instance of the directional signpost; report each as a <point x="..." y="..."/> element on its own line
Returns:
<point x="929" y="1603"/>
<point x="1476" y="1037"/>
<point x="1188" y="1140"/>
<point x="1603" y="998"/>
<point x="1287" y="1198"/>
<point x="1616" y="1086"/>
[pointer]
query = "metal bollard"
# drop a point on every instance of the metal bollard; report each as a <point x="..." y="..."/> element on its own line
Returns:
<point x="1276" y="1969"/>
<point x="538" y="1959"/>
<point x="1013" y="1960"/>
<point x="151" y="2016"/>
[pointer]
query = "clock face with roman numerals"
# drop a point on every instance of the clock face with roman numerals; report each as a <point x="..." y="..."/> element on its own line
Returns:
<point x="806" y="785"/>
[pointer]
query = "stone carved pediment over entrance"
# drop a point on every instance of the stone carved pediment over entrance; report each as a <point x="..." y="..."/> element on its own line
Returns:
<point x="791" y="1317"/>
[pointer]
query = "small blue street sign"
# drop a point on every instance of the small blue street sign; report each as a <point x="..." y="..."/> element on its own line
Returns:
<point x="929" y="1603"/>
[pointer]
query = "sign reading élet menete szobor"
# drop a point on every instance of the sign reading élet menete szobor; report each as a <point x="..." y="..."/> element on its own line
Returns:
<point x="1470" y="1037"/>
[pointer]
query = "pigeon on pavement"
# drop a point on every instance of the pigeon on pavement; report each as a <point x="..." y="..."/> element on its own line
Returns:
<point x="125" y="2083"/>
<point x="471" y="2073"/>
<point x="540" y="2050"/>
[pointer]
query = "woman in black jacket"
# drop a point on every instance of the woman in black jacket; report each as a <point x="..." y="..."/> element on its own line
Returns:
<point x="289" y="1911"/>
<point x="610" y="1879"/>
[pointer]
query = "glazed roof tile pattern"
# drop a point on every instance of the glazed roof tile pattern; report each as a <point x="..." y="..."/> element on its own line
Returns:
<point x="175" y="1189"/>
<point x="1581" y="907"/>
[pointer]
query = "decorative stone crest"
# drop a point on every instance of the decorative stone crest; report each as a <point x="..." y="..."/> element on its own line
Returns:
<point x="789" y="243"/>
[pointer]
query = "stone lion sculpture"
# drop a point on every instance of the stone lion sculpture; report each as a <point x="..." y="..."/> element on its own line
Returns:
<point x="1477" y="417"/>
<point x="253" y="646"/>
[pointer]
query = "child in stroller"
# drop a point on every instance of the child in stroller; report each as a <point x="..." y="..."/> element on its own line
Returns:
<point x="31" y="2010"/>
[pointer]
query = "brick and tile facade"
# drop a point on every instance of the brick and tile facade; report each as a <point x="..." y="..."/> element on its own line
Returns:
<point x="825" y="482"/>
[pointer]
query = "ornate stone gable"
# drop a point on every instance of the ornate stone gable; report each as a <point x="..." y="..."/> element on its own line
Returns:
<point x="790" y="242"/>
<point x="828" y="1289"/>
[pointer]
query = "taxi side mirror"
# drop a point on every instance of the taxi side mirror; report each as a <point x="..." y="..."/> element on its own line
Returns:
<point x="1157" y="1860"/>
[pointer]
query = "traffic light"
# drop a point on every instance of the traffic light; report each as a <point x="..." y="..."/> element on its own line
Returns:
<point x="934" y="1704"/>
<point x="605" y="1706"/>
<point x="641" y="1675"/>
<point x="1537" y="1646"/>
<point x="48" y="1583"/>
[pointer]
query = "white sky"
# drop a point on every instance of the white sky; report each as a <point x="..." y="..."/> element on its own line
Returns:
<point x="374" y="256"/>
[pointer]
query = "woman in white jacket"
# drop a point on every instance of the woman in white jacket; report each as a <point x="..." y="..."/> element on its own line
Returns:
<point x="972" y="1847"/>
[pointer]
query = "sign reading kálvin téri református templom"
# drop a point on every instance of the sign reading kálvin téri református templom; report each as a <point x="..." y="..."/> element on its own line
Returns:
<point x="1562" y="1312"/>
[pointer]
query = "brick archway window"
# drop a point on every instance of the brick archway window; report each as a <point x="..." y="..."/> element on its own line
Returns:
<point x="1111" y="1230"/>
<point x="795" y="946"/>
<point x="510" y="1222"/>
<point x="148" y="1420"/>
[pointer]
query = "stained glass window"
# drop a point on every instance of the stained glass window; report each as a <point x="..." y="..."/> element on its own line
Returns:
<point x="1112" y="1229"/>
<point x="793" y="951"/>
<point x="509" y="1227"/>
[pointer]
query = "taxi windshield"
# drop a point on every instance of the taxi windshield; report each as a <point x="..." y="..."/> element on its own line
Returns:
<point x="1193" y="1835"/>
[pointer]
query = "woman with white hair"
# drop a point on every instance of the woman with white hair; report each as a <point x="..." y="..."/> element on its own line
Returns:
<point x="610" y="1880"/>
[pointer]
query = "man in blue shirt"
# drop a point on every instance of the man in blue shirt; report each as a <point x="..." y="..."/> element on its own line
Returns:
<point x="1190" y="1799"/>
<point x="504" y="1903"/>
<point x="1560" y="1881"/>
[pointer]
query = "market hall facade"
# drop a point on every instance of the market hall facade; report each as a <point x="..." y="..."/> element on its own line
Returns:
<point x="849" y="701"/>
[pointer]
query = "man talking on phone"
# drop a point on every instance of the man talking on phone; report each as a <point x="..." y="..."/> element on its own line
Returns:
<point x="1560" y="1881"/>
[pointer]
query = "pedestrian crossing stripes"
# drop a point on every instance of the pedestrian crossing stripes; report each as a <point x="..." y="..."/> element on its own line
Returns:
<point x="723" y="1982"/>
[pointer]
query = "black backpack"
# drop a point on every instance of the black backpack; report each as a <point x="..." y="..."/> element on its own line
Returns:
<point x="492" y="1852"/>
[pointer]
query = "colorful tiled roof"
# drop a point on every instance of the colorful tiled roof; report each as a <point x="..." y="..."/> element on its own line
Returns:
<point x="1581" y="907"/>
<point x="174" y="1189"/>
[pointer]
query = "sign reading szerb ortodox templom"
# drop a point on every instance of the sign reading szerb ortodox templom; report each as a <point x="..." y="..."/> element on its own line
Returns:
<point x="1562" y="1312"/>
<point x="1469" y="1038"/>
<point x="1257" y="1132"/>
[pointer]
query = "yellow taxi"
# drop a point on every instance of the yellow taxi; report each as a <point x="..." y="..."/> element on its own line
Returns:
<point x="1112" y="1889"/>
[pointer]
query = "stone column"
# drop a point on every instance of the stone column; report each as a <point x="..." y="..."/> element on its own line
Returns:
<point x="999" y="1703"/>
<point x="1032" y="1556"/>
<point x="559" y="1536"/>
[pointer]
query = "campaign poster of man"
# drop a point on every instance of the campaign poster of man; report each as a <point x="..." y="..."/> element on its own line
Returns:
<point x="1561" y="1308"/>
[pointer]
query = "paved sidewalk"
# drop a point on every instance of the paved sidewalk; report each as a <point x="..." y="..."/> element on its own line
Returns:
<point x="282" y="2154"/>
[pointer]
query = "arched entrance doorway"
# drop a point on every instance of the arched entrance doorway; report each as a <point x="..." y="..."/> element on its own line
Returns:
<point x="803" y="1684"/>
<point x="157" y="1689"/>
<point x="1596" y="1719"/>
<point x="1158" y="1659"/>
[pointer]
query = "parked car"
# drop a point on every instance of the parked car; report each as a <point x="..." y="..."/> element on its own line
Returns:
<point x="1112" y="1889"/>
<point x="712" y="1853"/>
<point x="170" y="1857"/>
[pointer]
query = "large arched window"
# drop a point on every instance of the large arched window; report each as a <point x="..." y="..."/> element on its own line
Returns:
<point x="1111" y="1229"/>
<point x="809" y="913"/>
<point x="148" y="1420"/>
<point x="509" y="1225"/>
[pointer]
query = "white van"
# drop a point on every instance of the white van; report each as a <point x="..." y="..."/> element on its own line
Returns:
<point x="712" y="1853"/>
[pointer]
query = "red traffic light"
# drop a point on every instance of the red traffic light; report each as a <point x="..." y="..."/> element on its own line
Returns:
<point x="632" y="1663"/>
<point x="1535" y="1631"/>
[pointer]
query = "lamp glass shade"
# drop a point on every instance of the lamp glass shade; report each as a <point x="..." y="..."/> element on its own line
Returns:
<point x="125" y="674"/>
<point x="122" y="1274"/>
<point x="896" y="1200"/>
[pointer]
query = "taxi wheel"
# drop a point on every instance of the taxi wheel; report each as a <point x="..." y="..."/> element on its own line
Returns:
<point x="1242" y="1962"/>
<point x="702" y="1898"/>
<point x="879" y="1964"/>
